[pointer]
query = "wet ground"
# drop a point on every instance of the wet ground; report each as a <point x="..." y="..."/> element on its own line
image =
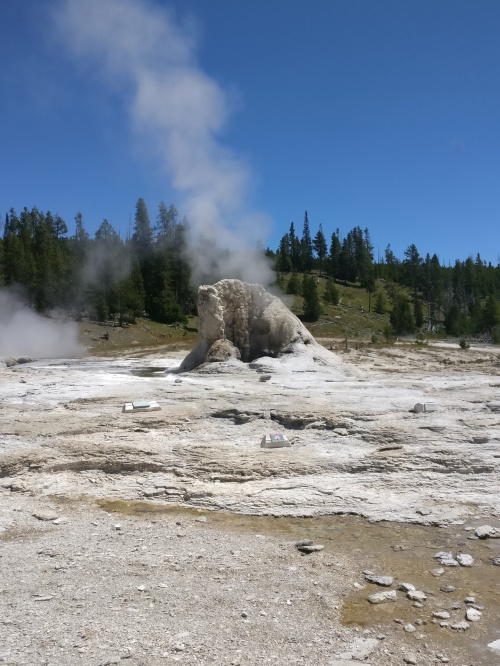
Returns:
<point x="405" y="552"/>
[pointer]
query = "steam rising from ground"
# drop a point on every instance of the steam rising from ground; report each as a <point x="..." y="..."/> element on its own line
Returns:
<point x="144" y="50"/>
<point x="25" y="333"/>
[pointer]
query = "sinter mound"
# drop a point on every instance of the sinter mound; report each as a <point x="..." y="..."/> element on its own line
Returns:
<point x="244" y="321"/>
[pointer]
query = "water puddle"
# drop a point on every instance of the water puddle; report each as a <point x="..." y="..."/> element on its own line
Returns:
<point x="149" y="371"/>
<point x="403" y="551"/>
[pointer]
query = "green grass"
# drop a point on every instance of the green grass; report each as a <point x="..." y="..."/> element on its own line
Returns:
<point x="347" y="318"/>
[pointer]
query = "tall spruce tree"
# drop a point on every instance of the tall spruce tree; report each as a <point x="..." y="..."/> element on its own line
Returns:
<point x="306" y="246"/>
<point x="320" y="247"/>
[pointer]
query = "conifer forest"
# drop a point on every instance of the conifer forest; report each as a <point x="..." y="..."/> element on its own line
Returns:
<point x="149" y="272"/>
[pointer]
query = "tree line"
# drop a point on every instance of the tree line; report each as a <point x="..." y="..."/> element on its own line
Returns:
<point x="418" y="292"/>
<point x="105" y="276"/>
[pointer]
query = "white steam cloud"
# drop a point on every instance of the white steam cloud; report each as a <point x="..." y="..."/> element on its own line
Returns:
<point x="142" y="48"/>
<point x="25" y="333"/>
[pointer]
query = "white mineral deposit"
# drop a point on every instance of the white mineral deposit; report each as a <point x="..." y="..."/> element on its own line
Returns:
<point x="103" y="558"/>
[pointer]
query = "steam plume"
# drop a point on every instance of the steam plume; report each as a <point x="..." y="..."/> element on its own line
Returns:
<point x="25" y="333"/>
<point x="152" y="57"/>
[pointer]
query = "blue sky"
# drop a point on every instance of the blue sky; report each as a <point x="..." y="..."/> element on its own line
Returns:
<point x="245" y="114"/>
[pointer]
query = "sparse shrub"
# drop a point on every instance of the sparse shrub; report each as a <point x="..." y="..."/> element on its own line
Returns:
<point x="331" y="293"/>
<point x="374" y="339"/>
<point x="293" y="287"/>
<point x="463" y="343"/>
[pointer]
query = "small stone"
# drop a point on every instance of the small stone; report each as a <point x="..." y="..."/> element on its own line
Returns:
<point x="446" y="559"/>
<point x="465" y="560"/>
<point x="444" y="624"/>
<point x="45" y="515"/>
<point x="310" y="549"/>
<point x="418" y="604"/>
<point x="141" y="588"/>
<point x="416" y="595"/>
<point x="495" y="561"/>
<point x="384" y="581"/>
<point x="484" y="531"/>
<point x="410" y="659"/>
<point x="447" y="588"/>
<point x="179" y="647"/>
<point x="117" y="527"/>
<point x="470" y="600"/>
<point x="441" y="615"/>
<point x="409" y="628"/>
<point x="244" y="614"/>
<point x="406" y="587"/>
<point x="60" y="521"/>
<point x="460" y="626"/>
<point x="495" y="645"/>
<point x="437" y="573"/>
<point x="357" y="586"/>
<point x="201" y="519"/>
<point x="473" y="615"/>
<point x="382" y="597"/>
<point x="304" y="542"/>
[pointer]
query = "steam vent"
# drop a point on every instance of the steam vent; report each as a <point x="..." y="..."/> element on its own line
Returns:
<point x="246" y="322"/>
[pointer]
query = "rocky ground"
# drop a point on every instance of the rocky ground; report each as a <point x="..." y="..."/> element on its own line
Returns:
<point x="165" y="586"/>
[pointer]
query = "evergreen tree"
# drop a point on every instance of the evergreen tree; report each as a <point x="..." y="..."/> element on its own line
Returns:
<point x="380" y="303"/>
<point x="293" y="286"/>
<point x="306" y="246"/>
<point x="294" y="243"/>
<point x="320" y="247"/>
<point x="331" y="293"/>
<point x="412" y="265"/>
<point x="401" y="317"/>
<point x="284" y="261"/>
<point x="142" y="238"/>
<point x="418" y="313"/>
<point x="335" y="249"/>
<point x="312" y="304"/>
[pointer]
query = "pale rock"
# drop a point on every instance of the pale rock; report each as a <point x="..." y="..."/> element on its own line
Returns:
<point x="473" y="615"/>
<point x="406" y="587"/>
<point x="416" y="595"/>
<point x="465" y="560"/>
<point x="46" y="515"/>
<point x="360" y="649"/>
<point x="447" y="588"/>
<point x="384" y="581"/>
<point x="441" y="615"/>
<point x="460" y="626"/>
<point x="383" y="597"/>
<point x="410" y="659"/>
<point x="409" y="628"/>
<point x="446" y="559"/>
<point x="484" y="531"/>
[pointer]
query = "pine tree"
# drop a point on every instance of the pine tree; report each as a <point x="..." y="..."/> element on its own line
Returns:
<point x="401" y="317"/>
<point x="331" y="293"/>
<point x="293" y="286"/>
<point x="306" y="246"/>
<point x="284" y="261"/>
<point x="320" y="246"/>
<point x="418" y="313"/>
<point x="335" y="249"/>
<point x="142" y="238"/>
<point x="312" y="304"/>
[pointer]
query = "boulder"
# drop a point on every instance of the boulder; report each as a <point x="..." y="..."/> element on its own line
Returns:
<point x="235" y="315"/>
<point x="222" y="350"/>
